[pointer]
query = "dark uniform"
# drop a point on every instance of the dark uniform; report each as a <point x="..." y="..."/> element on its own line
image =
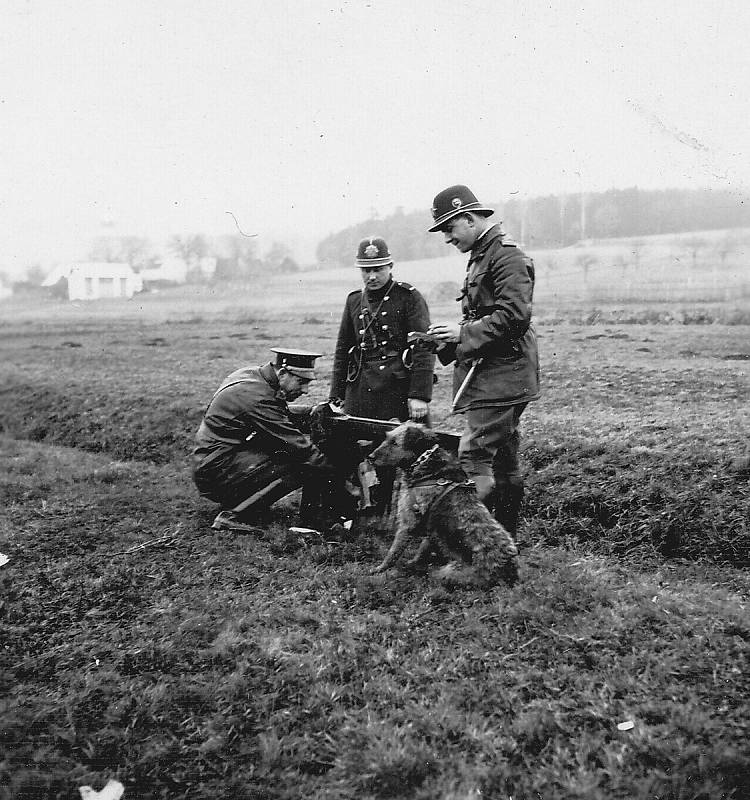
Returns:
<point x="250" y="440"/>
<point x="497" y="335"/>
<point x="496" y="326"/>
<point x="369" y="373"/>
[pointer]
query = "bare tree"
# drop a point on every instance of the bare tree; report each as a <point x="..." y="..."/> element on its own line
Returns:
<point x="133" y="250"/>
<point x="191" y="248"/>
<point x="726" y="245"/>
<point x="35" y="275"/>
<point x="104" y="248"/>
<point x="585" y="261"/>
<point x="277" y="252"/>
<point x="693" y="245"/>
<point x="636" y="247"/>
<point x="563" y="205"/>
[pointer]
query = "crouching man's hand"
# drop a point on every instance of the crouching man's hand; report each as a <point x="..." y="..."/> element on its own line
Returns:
<point x="418" y="409"/>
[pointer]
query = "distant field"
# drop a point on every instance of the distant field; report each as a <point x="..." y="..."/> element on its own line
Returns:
<point x="139" y="644"/>
<point x="701" y="266"/>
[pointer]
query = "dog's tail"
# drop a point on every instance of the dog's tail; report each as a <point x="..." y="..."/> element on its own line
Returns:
<point x="400" y="541"/>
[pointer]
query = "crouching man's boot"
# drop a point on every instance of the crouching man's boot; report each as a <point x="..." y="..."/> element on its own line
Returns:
<point x="324" y="503"/>
<point x="508" y="502"/>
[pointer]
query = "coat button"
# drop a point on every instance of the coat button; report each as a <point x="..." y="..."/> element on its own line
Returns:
<point x="382" y="366"/>
<point x="384" y="327"/>
<point x="383" y="313"/>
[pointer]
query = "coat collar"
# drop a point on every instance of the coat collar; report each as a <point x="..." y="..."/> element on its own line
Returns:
<point x="268" y="373"/>
<point x="493" y="233"/>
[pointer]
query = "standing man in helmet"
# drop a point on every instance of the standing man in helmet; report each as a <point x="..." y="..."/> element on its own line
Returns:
<point x="494" y="348"/>
<point x="375" y="372"/>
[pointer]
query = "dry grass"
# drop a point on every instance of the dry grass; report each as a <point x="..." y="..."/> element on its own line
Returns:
<point x="212" y="665"/>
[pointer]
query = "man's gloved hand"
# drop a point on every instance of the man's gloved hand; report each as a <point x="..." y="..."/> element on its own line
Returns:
<point x="418" y="409"/>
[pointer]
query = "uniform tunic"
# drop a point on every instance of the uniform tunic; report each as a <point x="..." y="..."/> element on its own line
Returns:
<point x="369" y="374"/>
<point x="496" y="326"/>
<point x="248" y="437"/>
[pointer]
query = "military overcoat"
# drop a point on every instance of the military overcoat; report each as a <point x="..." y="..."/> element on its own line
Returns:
<point x="496" y="327"/>
<point x="369" y="370"/>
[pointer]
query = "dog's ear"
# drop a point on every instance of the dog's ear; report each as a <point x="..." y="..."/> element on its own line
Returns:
<point x="417" y="439"/>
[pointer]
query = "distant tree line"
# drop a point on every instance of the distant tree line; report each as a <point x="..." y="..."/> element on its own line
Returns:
<point x="555" y="221"/>
<point x="237" y="257"/>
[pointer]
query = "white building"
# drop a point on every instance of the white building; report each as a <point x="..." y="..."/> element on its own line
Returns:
<point x="93" y="280"/>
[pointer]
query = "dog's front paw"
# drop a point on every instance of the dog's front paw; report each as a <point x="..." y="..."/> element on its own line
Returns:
<point x="414" y="566"/>
<point x="453" y="575"/>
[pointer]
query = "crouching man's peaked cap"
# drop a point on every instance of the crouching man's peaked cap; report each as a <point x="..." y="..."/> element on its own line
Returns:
<point x="373" y="252"/>
<point x="453" y="201"/>
<point x="299" y="362"/>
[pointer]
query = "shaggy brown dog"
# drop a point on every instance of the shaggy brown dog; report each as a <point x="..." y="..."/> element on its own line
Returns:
<point x="435" y="501"/>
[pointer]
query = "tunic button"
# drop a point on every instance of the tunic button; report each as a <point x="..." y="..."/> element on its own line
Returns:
<point x="385" y="327"/>
<point x="384" y="313"/>
<point x="362" y="332"/>
<point x="382" y="366"/>
<point x="361" y="316"/>
<point x="387" y="297"/>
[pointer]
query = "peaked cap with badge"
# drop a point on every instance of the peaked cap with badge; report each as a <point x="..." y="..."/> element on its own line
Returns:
<point x="373" y="252"/>
<point x="453" y="201"/>
<point x="299" y="362"/>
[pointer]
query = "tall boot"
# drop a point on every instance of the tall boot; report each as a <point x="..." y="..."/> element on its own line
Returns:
<point x="310" y="505"/>
<point x="508" y="502"/>
<point x="325" y="501"/>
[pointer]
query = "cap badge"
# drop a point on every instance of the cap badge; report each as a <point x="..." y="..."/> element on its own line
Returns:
<point x="456" y="202"/>
<point x="371" y="251"/>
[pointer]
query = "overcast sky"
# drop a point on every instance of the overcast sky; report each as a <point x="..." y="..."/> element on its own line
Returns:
<point x="301" y="117"/>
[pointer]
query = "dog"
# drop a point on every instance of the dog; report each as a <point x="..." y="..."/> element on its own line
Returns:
<point x="434" y="500"/>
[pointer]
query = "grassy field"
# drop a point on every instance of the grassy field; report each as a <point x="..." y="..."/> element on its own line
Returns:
<point x="139" y="644"/>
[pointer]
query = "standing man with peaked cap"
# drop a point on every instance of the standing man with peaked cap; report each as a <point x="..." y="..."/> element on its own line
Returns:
<point x="494" y="348"/>
<point x="252" y="449"/>
<point x="375" y="373"/>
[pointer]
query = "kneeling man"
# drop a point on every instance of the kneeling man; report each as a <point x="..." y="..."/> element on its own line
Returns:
<point x="252" y="448"/>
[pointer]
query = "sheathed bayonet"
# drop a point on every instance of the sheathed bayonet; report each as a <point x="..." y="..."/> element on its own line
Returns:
<point x="465" y="384"/>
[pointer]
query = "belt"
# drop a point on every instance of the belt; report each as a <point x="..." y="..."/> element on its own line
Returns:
<point x="379" y="356"/>
<point x="205" y="433"/>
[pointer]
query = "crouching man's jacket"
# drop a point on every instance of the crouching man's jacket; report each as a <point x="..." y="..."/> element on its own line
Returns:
<point x="247" y="424"/>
